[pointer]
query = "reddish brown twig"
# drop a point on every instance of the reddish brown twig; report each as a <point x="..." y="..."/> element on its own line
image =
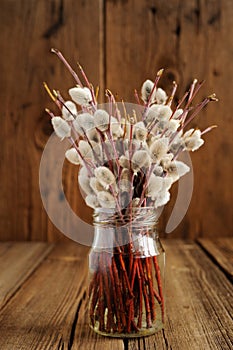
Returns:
<point x="158" y="277"/>
<point x="119" y="293"/>
<point x="150" y="286"/>
<point x="145" y="295"/>
<point x="140" y="298"/>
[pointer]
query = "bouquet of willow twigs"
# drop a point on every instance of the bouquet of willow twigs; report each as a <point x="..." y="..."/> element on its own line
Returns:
<point x="126" y="162"/>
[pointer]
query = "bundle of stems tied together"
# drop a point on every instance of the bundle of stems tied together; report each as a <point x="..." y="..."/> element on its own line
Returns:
<point x="127" y="161"/>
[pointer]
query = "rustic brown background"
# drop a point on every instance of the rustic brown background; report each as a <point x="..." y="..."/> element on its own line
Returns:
<point x="120" y="43"/>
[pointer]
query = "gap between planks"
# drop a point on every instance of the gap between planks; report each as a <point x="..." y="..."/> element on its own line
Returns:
<point x="18" y="262"/>
<point x="220" y="252"/>
<point x="49" y="310"/>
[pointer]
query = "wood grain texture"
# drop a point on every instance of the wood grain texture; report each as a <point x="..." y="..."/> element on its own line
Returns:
<point x="49" y="311"/>
<point x="198" y="303"/>
<point x="85" y="338"/>
<point x="28" y="29"/>
<point x="190" y="39"/>
<point x="120" y="43"/>
<point x="18" y="262"/>
<point x="42" y="313"/>
<point x="221" y="251"/>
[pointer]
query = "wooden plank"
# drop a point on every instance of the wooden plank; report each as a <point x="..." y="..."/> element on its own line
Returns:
<point x="74" y="27"/>
<point x="84" y="337"/>
<point x="199" y="303"/>
<point x="45" y="306"/>
<point x="18" y="261"/>
<point x="189" y="39"/>
<point x="221" y="250"/>
<point x="45" y="311"/>
<point x="49" y="311"/>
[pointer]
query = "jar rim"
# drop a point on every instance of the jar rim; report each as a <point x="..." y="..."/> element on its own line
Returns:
<point x="143" y="215"/>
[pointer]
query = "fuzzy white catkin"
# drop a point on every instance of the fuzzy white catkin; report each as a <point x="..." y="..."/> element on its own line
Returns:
<point x="61" y="127"/>
<point x="158" y="112"/>
<point x="139" y="160"/>
<point x="140" y="131"/>
<point x="152" y="113"/>
<point x="177" y="113"/>
<point x="86" y="121"/>
<point x="194" y="141"/>
<point x="104" y="176"/>
<point x="92" y="201"/>
<point x="69" y="110"/>
<point x="96" y="148"/>
<point x="181" y="167"/>
<point x="83" y="171"/>
<point x="125" y="174"/>
<point x="188" y="133"/>
<point x="176" y="169"/>
<point x="96" y="185"/>
<point x="162" y="199"/>
<point x="83" y="123"/>
<point x="84" y="183"/>
<point x="85" y="149"/>
<point x="173" y="125"/>
<point x="158" y="149"/>
<point x="165" y="161"/>
<point x="106" y="200"/>
<point x="116" y="129"/>
<point x="124" y="162"/>
<point x="93" y="135"/>
<point x="146" y="89"/>
<point x="167" y="183"/>
<point x="164" y="113"/>
<point x="124" y="185"/>
<point x="160" y="96"/>
<point x="72" y="156"/>
<point x="81" y="96"/>
<point x="155" y="184"/>
<point x="163" y="196"/>
<point x="101" y="119"/>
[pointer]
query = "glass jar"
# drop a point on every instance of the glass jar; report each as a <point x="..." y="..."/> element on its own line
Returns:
<point x="126" y="274"/>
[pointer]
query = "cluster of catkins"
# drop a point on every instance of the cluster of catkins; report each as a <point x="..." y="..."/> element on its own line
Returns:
<point x="126" y="160"/>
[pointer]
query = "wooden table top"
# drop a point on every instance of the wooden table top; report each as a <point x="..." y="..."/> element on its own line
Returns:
<point x="43" y="298"/>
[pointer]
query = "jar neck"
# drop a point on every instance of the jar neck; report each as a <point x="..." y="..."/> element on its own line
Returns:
<point x="138" y="230"/>
<point x="136" y="218"/>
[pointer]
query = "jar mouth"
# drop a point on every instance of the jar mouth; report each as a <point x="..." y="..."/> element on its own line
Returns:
<point x="144" y="216"/>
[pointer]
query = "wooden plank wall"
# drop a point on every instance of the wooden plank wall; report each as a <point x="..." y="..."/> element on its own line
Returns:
<point x="120" y="43"/>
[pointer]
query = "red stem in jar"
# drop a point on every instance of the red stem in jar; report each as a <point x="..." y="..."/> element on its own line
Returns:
<point x="115" y="297"/>
<point x="140" y="298"/>
<point x="94" y="301"/>
<point x="145" y="295"/>
<point x="135" y="263"/>
<point x="119" y="293"/>
<point x="122" y="263"/>
<point x="110" y="319"/>
<point x="158" y="277"/>
<point x="101" y="297"/>
<point x="150" y="286"/>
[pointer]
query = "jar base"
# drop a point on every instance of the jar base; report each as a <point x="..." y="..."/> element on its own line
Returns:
<point x="143" y="332"/>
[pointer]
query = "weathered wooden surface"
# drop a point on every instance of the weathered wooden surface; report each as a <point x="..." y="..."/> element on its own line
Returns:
<point x="190" y="39"/>
<point x="42" y="313"/>
<point x="120" y="43"/>
<point x="17" y="263"/>
<point x="48" y="309"/>
<point x="28" y="30"/>
<point x="221" y="250"/>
